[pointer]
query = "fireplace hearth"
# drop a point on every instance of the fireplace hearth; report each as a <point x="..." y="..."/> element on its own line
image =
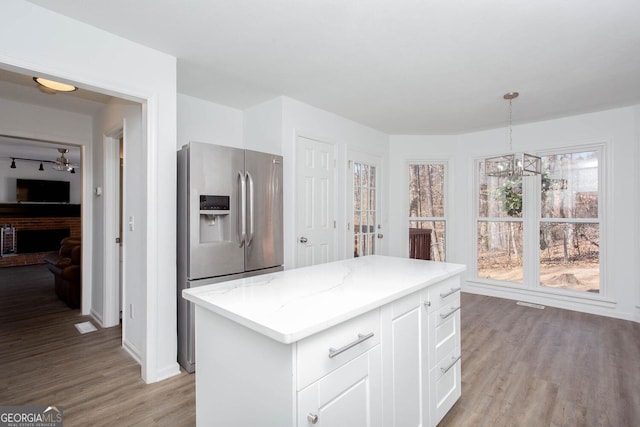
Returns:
<point x="30" y="241"/>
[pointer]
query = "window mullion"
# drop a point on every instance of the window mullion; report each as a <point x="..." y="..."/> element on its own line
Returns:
<point x="531" y="215"/>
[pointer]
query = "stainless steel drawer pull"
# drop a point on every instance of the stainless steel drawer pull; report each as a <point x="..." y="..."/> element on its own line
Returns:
<point x="361" y="337"/>
<point x="453" y="310"/>
<point x="453" y="291"/>
<point x="451" y="365"/>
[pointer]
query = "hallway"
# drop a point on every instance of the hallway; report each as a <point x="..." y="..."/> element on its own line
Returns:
<point x="46" y="361"/>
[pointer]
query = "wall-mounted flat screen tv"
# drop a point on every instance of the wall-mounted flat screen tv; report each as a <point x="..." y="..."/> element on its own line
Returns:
<point x="40" y="190"/>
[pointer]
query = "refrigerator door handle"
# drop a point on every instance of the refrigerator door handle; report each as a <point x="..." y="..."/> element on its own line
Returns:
<point x="250" y="215"/>
<point x="242" y="207"/>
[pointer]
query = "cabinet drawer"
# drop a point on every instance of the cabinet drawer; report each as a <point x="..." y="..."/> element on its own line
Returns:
<point x="349" y="339"/>
<point x="447" y="292"/>
<point x="445" y="385"/>
<point x="445" y="337"/>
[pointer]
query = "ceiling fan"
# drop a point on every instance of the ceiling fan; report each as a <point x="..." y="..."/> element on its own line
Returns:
<point x="62" y="163"/>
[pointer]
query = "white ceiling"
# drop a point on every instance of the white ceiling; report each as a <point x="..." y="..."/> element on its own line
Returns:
<point x="400" y="66"/>
<point x="22" y="88"/>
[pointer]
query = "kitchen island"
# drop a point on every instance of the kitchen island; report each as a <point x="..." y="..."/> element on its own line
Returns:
<point x="371" y="341"/>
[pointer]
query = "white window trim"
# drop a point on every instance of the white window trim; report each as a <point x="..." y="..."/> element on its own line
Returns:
<point x="531" y="276"/>
<point x="447" y="198"/>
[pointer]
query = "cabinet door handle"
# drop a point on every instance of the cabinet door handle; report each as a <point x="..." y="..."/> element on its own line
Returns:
<point x="361" y="337"/>
<point x="453" y="291"/>
<point x="312" y="418"/>
<point x="453" y="310"/>
<point x="453" y="362"/>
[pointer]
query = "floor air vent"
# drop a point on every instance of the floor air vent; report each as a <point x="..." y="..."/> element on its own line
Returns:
<point x="530" y="304"/>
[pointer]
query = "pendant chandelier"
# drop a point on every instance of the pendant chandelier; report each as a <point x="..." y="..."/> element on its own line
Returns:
<point x="512" y="164"/>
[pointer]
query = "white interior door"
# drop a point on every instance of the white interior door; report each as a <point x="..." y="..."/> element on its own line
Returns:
<point x="364" y="227"/>
<point x="315" y="210"/>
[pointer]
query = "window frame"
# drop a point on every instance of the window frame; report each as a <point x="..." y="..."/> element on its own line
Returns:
<point x="352" y="157"/>
<point x="445" y="192"/>
<point x="532" y="220"/>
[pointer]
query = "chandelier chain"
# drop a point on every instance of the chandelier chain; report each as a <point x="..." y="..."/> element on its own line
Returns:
<point x="510" y="127"/>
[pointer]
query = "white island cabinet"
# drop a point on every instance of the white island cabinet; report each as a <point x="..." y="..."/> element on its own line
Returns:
<point x="371" y="341"/>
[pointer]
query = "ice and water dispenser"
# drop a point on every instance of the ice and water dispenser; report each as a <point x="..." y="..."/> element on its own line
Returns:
<point x="215" y="221"/>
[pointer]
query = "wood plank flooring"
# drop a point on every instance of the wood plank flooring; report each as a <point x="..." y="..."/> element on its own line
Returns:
<point x="45" y="361"/>
<point x="521" y="366"/>
<point x="527" y="367"/>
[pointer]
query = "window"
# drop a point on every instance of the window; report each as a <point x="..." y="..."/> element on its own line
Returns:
<point x="364" y="209"/>
<point x="500" y="228"/>
<point x="569" y="223"/>
<point x="555" y="215"/>
<point x="427" y="216"/>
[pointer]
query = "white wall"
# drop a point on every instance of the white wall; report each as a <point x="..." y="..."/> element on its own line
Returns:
<point x="32" y="121"/>
<point x="636" y="196"/>
<point x="29" y="170"/>
<point x="204" y="121"/>
<point x="35" y="40"/>
<point x="618" y="128"/>
<point x="402" y="150"/>
<point x="263" y="127"/>
<point x="127" y="116"/>
<point x="299" y="119"/>
<point x="272" y="127"/>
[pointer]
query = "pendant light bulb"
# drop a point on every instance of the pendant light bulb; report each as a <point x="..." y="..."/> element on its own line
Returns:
<point x="13" y="163"/>
<point x="41" y="168"/>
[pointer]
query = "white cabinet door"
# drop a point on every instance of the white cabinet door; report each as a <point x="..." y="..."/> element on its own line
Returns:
<point x="350" y="396"/>
<point x="405" y="369"/>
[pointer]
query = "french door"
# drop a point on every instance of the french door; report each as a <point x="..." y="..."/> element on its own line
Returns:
<point x="365" y="224"/>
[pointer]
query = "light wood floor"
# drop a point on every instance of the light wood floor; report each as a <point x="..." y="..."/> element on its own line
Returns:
<point x="45" y="361"/>
<point x="527" y="367"/>
<point x="521" y="366"/>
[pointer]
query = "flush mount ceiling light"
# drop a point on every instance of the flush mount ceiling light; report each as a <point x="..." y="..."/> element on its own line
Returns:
<point x="50" y="86"/>
<point x="512" y="164"/>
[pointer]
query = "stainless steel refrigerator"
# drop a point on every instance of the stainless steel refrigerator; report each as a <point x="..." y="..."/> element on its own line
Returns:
<point x="229" y="223"/>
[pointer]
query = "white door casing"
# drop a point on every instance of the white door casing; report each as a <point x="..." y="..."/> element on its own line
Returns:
<point x="315" y="202"/>
<point x="111" y="194"/>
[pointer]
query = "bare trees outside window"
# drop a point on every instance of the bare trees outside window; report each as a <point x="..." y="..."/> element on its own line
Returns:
<point x="364" y="209"/>
<point x="569" y="223"/>
<point x="500" y="228"/>
<point x="427" y="209"/>
<point x="564" y="223"/>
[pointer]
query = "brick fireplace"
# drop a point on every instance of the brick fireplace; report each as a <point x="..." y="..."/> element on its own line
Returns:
<point x="39" y="229"/>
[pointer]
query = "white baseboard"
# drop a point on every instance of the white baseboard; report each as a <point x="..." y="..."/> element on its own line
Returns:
<point x="167" y="372"/>
<point x="133" y="351"/>
<point x="597" y="307"/>
<point x="97" y="317"/>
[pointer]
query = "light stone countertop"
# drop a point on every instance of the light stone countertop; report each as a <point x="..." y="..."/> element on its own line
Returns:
<point x="290" y="305"/>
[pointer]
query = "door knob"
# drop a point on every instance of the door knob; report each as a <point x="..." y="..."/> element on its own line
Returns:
<point x="312" y="418"/>
<point x="303" y="240"/>
<point x="380" y="235"/>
